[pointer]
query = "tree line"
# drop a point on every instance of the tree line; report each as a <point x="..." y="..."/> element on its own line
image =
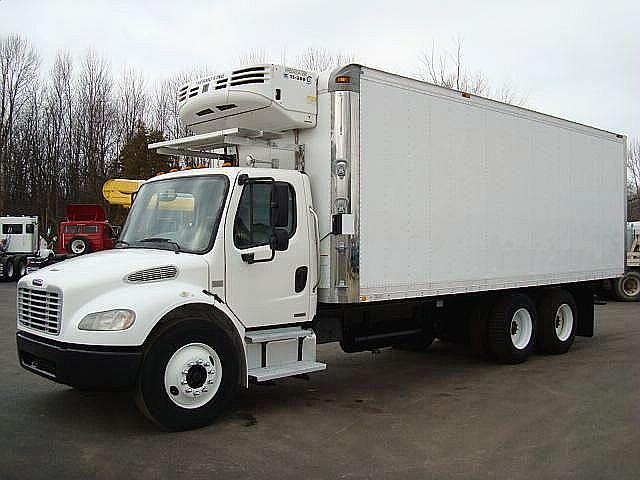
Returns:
<point x="64" y="131"/>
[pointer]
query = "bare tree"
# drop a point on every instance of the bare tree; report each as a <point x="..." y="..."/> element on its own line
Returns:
<point x="633" y="168"/>
<point x="254" y="57"/>
<point x="164" y="107"/>
<point x="319" y="59"/>
<point x="448" y="69"/>
<point x="19" y="64"/>
<point x="96" y="115"/>
<point x="132" y="103"/>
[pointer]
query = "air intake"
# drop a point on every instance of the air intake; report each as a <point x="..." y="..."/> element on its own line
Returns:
<point x="246" y="76"/>
<point x="155" y="274"/>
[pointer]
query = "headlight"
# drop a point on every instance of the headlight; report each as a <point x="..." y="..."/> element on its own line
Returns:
<point x="109" y="320"/>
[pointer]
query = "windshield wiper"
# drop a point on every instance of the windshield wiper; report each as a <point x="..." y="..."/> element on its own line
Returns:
<point x="126" y="244"/>
<point x="175" y="245"/>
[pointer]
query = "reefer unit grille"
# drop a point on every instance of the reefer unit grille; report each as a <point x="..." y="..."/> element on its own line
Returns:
<point x="40" y="310"/>
<point x="243" y="76"/>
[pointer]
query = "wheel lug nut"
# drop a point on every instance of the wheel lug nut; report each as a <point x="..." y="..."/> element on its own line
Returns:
<point x="196" y="393"/>
<point x="187" y="390"/>
<point x="207" y="364"/>
<point x="199" y="361"/>
<point x="210" y="381"/>
<point x="184" y="372"/>
<point x="205" y="390"/>
<point x="191" y="364"/>
<point x="183" y="382"/>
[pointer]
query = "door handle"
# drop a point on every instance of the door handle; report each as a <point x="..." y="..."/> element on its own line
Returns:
<point x="301" y="278"/>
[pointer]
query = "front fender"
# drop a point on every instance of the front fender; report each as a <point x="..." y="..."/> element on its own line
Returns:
<point x="151" y="302"/>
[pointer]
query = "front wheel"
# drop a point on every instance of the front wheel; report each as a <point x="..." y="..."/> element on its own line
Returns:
<point x="188" y="376"/>
<point x="21" y="269"/>
<point x="9" y="271"/>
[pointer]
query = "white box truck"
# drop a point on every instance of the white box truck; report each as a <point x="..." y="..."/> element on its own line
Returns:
<point x="359" y="207"/>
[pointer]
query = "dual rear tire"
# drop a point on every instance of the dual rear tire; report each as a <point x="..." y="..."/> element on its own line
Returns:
<point x="14" y="269"/>
<point x="516" y="325"/>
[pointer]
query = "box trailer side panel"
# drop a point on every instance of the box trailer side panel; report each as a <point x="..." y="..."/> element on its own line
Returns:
<point x="465" y="194"/>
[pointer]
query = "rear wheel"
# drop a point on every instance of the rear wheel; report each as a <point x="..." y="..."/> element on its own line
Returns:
<point x="512" y="328"/>
<point x="558" y="319"/>
<point x="627" y="287"/>
<point x="189" y="375"/>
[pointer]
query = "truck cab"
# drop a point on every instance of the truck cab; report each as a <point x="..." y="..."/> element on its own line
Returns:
<point x="18" y="240"/>
<point x="85" y="229"/>
<point x="229" y="249"/>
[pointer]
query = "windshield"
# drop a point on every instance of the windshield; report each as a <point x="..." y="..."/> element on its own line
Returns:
<point x="178" y="214"/>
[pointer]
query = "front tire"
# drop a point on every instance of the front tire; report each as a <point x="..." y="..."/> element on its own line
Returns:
<point x="512" y="328"/>
<point x="10" y="271"/>
<point x="21" y="269"/>
<point x="189" y="375"/>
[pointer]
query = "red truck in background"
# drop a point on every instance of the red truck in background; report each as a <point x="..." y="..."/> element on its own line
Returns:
<point x="85" y="230"/>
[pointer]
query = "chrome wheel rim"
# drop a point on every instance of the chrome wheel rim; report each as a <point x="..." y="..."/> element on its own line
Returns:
<point x="521" y="328"/>
<point x="193" y="375"/>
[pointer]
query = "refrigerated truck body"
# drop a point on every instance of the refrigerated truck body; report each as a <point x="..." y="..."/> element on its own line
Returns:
<point x="361" y="207"/>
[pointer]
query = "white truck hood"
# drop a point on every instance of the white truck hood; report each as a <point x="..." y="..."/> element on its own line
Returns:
<point x="114" y="266"/>
<point x="102" y="281"/>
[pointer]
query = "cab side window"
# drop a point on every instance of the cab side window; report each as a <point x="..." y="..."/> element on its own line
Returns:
<point x="12" y="229"/>
<point x="252" y="226"/>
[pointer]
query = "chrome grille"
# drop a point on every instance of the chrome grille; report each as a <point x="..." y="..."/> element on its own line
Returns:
<point x="40" y="310"/>
<point x="153" y="274"/>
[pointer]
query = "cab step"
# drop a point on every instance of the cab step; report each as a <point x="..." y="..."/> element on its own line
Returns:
<point x="273" y="334"/>
<point x="281" y="352"/>
<point x="265" y="374"/>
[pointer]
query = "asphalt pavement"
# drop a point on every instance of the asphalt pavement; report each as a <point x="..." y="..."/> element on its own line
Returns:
<point x="443" y="414"/>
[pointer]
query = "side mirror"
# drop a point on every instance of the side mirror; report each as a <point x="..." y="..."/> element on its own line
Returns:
<point x="279" y="204"/>
<point x="279" y="240"/>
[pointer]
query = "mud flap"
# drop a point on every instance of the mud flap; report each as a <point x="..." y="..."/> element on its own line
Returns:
<point x="583" y="294"/>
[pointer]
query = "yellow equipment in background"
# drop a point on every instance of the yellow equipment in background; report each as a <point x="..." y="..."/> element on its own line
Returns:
<point x="120" y="191"/>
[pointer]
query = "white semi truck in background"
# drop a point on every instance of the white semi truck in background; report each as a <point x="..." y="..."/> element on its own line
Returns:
<point x="20" y="242"/>
<point x="627" y="287"/>
<point x="353" y="201"/>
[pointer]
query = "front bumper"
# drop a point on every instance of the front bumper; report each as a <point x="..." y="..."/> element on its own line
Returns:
<point x="80" y="366"/>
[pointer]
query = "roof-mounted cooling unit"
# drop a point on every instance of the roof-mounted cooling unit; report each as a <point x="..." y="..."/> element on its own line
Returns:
<point x="261" y="97"/>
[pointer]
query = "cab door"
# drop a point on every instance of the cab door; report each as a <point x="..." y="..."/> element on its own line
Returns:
<point x="262" y="290"/>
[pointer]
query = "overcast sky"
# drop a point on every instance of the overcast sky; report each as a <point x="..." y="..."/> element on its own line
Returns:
<point x="575" y="59"/>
